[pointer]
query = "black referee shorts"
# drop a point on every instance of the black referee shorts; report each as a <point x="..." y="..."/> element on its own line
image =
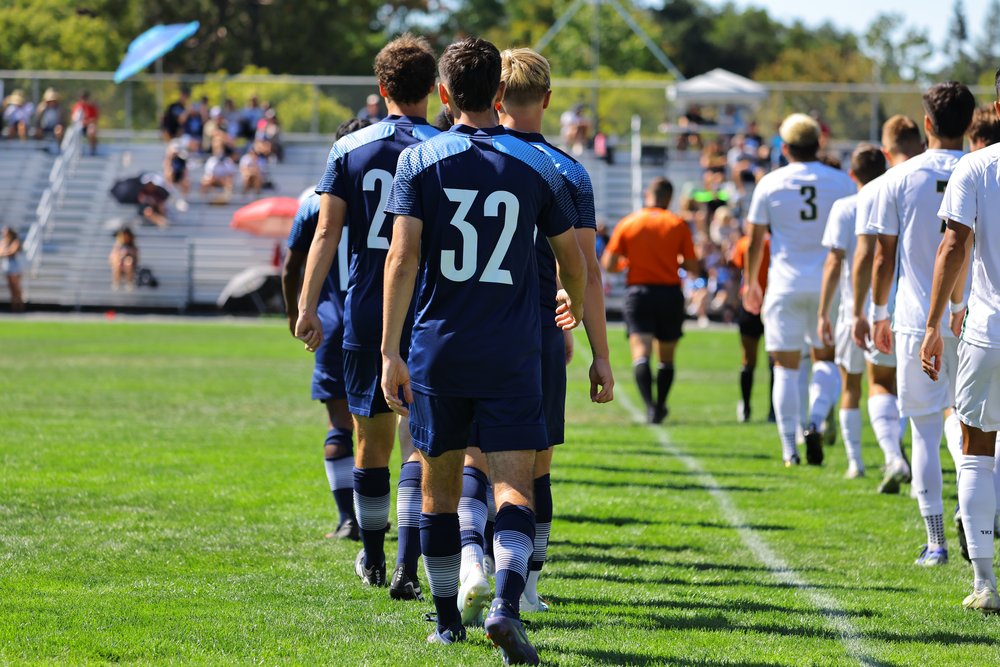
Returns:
<point x="750" y="325"/>
<point x="656" y="310"/>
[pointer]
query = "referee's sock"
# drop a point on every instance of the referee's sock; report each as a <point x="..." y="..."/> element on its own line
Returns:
<point x="664" y="380"/>
<point x="644" y="378"/>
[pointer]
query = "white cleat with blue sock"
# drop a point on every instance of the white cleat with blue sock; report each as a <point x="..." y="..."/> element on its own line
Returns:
<point x="474" y="596"/>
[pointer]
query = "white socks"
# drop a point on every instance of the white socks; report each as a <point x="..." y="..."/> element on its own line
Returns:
<point x="977" y="500"/>
<point x="824" y="389"/>
<point x="953" y="438"/>
<point x="850" y="429"/>
<point x="884" y="415"/>
<point x="927" y="483"/>
<point x="531" y="585"/>
<point x="786" y="407"/>
<point x="803" y="389"/>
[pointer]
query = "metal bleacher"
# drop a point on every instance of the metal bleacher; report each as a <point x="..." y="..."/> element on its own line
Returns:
<point x="24" y="171"/>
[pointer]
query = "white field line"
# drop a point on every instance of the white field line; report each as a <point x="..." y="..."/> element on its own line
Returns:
<point x="836" y="617"/>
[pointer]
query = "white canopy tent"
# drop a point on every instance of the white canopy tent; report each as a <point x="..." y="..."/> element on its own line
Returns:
<point x="717" y="87"/>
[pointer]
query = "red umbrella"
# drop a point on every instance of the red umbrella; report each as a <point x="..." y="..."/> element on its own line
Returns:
<point x="271" y="217"/>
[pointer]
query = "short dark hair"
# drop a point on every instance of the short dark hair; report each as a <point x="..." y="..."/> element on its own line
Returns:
<point x="351" y="125"/>
<point x="471" y="70"/>
<point x="806" y="153"/>
<point x="405" y="68"/>
<point x="985" y="126"/>
<point x="443" y="121"/>
<point x="949" y="105"/>
<point x="867" y="163"/>
<point x="829" y="159"/>
<point x="662" y="190"/>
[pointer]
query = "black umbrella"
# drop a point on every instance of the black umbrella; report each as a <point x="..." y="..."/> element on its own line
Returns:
<point x="253" y="290"/>
<point x="126" y="191"/>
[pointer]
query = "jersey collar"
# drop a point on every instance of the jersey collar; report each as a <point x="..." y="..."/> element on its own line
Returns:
<point x="530" y="137"/>
<point x="412" y="120"/>
<point x="479" y="131"/>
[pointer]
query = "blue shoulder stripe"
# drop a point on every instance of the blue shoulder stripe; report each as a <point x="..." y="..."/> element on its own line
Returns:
<point x="426" y="154"/>
<point x="543" y="166"/>
<point x="425" y="132"/>
<point x="362" y="137"/>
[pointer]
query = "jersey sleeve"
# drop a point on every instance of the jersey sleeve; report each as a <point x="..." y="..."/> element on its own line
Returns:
<point x="884" y="216"/>
<point x="583" y="198"/>
<point x="960" y="202"/>
<point x="334" y="180"/>
<point x="559" y="213"/>
<point x="759" y="213"/>
<point x="304" y="225"/>
<point x="839" y="227"/>
<point x="863" y="214"/>
<point x="404" y="197"/>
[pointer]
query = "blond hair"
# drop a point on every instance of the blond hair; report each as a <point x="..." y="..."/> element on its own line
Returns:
<point x="901" y="136"/>
<point x="800" y="130"/>
<point x="526" y="75"/>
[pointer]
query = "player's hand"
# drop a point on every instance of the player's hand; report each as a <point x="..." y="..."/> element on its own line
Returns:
<point x="568" y="314"/>
<point x="882" y="337"/>
<point x="293" y="317"/>
<point x="930" y="353"/>
<point x="753" y="298"/>
<point x="956" y="320"/>
<point x="395" y="374"/>
<point x="568" y="337"/>
<point x="825" y="330"/>
<point x="861" y="332"/>
<point x="602" y="382"/>
<point x="309" y="330"/>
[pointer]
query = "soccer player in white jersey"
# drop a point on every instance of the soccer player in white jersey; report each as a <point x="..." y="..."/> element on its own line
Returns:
<point x="794" y="202"/>
<point x="901" y="141"/>
<point x="909" y="232"/>
<point x="867" y="163"/>
<point x="971" y="207"/>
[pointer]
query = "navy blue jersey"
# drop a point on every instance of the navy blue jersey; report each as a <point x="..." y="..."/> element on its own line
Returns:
<point x="582" y="192"/>
<point x="359" y="171"/>
<point x="480" y="194"/>
<point x="299" y="240"/>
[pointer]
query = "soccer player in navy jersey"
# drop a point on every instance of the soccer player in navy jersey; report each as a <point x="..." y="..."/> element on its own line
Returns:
<point x="467" y="206"/>
<point x="527" y="89"/>
<point x="356" y="186"/>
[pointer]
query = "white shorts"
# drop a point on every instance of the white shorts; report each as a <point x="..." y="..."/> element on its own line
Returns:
<point x="873" y="356"/>
<point x="790" y="321"/>
<point x="849" y="356"/>
<point x="918" y="394"/>
<point x="977" y="387"/>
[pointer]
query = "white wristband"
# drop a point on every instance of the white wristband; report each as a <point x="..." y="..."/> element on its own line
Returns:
<point x="880" y="313"/>
<point x="959" y="307"/>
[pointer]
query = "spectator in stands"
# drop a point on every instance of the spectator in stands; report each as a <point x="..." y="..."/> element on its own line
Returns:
<point x="216" y="123"/>
<point x="10" y="264"/>
<point x="172" y="120"/>
<point x="193" y="124"/>
<point x="712" y="157"/>
<point x="602" y="238"/>
<point x="232" y="117"/>
<point x="575" y="128"/>
<point x="17" y="112"/>
<point x="175" y="171"/>
<point x="124" y="259"/>
<point x="985" y="128"/>
<point x="152" y="198"/>
<point x="269" y="130"/>
<point x="253" y="166"/>
<point x="220" y="170"/>
<point x="372" y="110"/>
<point x="49" y="121"/>
<point x="87" y="114"/>
<point x="249" y="117"/>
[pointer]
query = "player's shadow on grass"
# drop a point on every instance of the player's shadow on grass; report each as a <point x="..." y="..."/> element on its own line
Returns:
<point x="730" y="583"/>
<point x="647" y="471"/>
<point x="612" y="657"/>
<point x="608" y="520"/>
<point x="606" y="559"/>
<point x="739" y="606"/>
<point x="763" y="527"/>
<point x="662" y="486"/>
<point x="611" y="545"/>
<point x="710" y="454"/>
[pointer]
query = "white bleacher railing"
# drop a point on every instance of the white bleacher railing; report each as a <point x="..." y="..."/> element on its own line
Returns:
<point x="68" y="155"/>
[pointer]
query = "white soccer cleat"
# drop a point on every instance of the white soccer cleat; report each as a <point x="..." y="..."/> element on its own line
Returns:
<point x="985" y="600"/>
<point x="854" y="471"/>
<point x="538" y="605"/>
<point x="474" y="596"/>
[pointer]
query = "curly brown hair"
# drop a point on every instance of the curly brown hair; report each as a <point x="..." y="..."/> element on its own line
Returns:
<point x="406" y="68"/>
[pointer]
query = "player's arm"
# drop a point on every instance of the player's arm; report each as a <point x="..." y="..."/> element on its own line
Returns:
<point x="864" y="257"/>
<point x="883" y="265"/>
<point x="831" y="276"/>
<point x="332" y="213"/>
<point x="948" y="266"/>
<point x="401" y="265"/>
<point x="753" y="295"/>
<point x="291" y="280"/>
<point x="572" y="269"/>
<point x="595" y="322"/>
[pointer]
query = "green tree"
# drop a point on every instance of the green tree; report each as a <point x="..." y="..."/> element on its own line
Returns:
<point x="987" y="48"/>
<point x="54" y="34"/>
<point x="901" y="52"/>
<point x="961" y="67"/>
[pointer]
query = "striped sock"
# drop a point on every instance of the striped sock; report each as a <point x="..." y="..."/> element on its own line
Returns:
<point x="472" y="517"/>
<point x="491" y="522"/>
<point x="340" y="471"/>
<point x="543" y="525"/>
<point x="408" y="501"/>
<point x="441" y="546"/>
<point x="371" y="504"/>
<point x="512" y="547"/>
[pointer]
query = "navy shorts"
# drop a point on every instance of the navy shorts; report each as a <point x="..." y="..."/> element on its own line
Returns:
<point x="554" y="383"/>
<point x="328" y="371"/>
<point x="442" y="424"/>
<point x="363" y="377"/>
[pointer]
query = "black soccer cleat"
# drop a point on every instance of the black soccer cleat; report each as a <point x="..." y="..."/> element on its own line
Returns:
<point x="371" y="576"/>
<point x="348" y="530"/>
<point x="404" y="587"/>
<point x="814" y="445"/>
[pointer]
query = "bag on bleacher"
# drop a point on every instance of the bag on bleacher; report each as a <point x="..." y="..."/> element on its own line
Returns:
<point x="145" y="278"/>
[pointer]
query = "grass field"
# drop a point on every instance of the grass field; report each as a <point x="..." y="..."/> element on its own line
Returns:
<point x="162" y="500"/>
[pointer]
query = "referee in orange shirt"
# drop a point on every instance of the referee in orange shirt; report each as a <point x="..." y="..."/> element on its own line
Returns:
<point x="653" y="244"/>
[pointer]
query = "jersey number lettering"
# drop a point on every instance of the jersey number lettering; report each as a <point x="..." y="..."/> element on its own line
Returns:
<point x="492" y="273"/>
<point x="342" y="261"/>
<point x="808" y="193"/>
<point x="382" y="179"/>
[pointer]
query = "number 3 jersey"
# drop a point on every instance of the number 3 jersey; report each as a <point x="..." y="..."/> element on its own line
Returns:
<point x="795" y="201"/>
<point x="360" y="171"/>
<point x="480" y="194"/>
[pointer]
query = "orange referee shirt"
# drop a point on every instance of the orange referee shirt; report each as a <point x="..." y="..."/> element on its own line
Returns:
<point x="739" y="259"/>
<point x="652" y="240"/>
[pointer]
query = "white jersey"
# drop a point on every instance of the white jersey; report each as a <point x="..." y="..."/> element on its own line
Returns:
<point x="863" y="209"/>
<point x="795" y="202"/>
<point x="972" y="198"/>
<point x="839" y="235"/>
<point x="906" y="207"/>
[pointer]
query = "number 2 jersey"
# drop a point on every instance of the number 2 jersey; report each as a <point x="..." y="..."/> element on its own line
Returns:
<point x="360" y="171"/>
<point x="795" y="201"/>
<point x="480" y="194"/>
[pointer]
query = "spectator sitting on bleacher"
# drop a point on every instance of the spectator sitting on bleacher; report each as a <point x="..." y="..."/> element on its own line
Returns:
<point x="253" y="166"/>
<point x="10" y="249"/>
<point x="17" y="112"/>
<point x="175" y="171"/>
<point x="152" y="198"/>
<point x="220" y="170"/>
<point x="173" y="115"/>
<point x="193" y="124"/>
<point x="216" y="123"/>
<point x="269" y="130"/>
<point x="124" y="259"/>
<point x="249" y="117"/>
<point x="49" y="122"/>
<point x="232" y="117"/>
<point x="87" y="114"/>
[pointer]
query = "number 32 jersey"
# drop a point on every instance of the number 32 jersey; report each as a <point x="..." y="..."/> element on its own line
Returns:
<point x="480" y="194"/>
<point x="360" y="171"/>
<point x="795" y="201"/>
